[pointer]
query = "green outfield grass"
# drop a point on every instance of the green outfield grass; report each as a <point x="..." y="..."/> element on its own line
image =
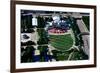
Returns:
<point x="61" y="42"/>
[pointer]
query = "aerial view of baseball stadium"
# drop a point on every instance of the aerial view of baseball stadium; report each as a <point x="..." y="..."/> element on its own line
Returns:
<point x="50" y="36"/>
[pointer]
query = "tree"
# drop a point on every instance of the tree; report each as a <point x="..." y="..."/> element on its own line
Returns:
<point x="41" y="22"/>
<point x="27" y="56"/>
<point x="43" y="36"/>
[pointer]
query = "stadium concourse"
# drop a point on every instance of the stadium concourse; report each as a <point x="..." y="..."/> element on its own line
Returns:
<point x="58" y="26"/>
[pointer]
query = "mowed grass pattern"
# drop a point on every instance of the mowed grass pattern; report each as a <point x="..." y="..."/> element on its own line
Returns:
<point x="61" y="42"/>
